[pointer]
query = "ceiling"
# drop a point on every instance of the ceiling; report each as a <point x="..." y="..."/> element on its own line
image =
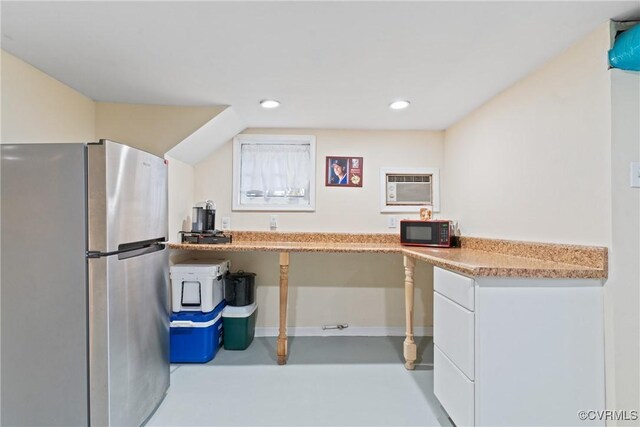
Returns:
<point x="331" y="64"/>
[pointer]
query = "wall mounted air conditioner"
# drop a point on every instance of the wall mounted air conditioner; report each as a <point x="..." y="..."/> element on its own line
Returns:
<point x="409" y="189"/>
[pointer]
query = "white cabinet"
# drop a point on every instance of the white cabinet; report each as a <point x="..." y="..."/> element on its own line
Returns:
<point x="454" y="345"/>
<point x="518" y="351"/>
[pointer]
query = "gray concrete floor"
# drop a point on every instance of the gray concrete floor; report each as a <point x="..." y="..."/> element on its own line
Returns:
<point x="328" y="381"/>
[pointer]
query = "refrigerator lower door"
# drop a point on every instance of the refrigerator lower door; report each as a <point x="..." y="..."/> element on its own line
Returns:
<point x="129" y="337"/>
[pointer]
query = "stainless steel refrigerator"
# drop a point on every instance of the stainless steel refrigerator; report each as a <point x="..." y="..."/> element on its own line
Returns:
<point x="84" y="284"/>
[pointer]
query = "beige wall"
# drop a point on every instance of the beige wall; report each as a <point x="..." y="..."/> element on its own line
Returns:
<point x="153" y="128"/>
<point x="362" y="290"/>
<point x="338" y="209"/>
<point x="622" y="290"/>
<point x="39" y="108"/>
<point x="548" y="160"/>
<point x="534" y="162"/>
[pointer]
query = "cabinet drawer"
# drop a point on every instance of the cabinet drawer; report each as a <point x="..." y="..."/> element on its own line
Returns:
<point x="453" y="332"/>
<point x="454" y="286"/>
<point x="453" y="389"/>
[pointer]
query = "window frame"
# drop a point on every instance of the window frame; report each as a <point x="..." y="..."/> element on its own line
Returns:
<point x="274" y="140"/>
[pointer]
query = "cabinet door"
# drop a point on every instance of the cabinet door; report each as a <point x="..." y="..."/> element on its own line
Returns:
<point x="453" y="389"/>
<point x="539" y="352"/>
<point x="454" y="286"/>
<point x="453" y="333"/>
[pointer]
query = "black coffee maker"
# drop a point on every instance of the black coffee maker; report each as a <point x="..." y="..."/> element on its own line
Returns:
<point x="204" y="217"/>
<point x="203" y="226"/>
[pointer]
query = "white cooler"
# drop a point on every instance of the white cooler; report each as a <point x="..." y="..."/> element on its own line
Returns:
<point x="198" y="285"/>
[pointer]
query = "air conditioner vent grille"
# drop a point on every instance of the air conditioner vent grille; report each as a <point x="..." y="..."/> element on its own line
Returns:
<point x="409" y="178"/>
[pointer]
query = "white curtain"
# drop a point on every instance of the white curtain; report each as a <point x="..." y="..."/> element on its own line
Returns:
<point x="275" y="169"/>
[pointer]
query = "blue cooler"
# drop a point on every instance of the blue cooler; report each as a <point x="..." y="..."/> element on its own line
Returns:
<point x="196" y="336"/>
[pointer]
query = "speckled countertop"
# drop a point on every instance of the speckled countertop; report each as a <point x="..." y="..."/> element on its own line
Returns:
<point x="476" y="257"/>
<point x="294" y="247"/>
<point x="480" y="263"/>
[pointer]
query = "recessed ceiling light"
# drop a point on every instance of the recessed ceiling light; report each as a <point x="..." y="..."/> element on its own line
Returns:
<point x="399" y="105"/>
<point x="270" y="103"/>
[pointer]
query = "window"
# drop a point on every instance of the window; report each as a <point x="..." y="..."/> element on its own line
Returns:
<point x="274" y="172"/>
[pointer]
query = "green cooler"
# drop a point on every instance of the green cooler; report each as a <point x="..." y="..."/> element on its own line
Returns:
<point x="239" y="326"/>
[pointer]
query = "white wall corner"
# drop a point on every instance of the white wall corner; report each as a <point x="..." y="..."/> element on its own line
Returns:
<point x="181" y="183"/>
<point x="208" y="138"/>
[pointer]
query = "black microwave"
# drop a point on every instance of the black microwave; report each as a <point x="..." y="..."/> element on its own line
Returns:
<point x="425" y="233"/>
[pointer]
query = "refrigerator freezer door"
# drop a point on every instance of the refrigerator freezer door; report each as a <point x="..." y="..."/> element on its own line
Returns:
<point x="127" y="196"/>
<point x="129" y="385"/>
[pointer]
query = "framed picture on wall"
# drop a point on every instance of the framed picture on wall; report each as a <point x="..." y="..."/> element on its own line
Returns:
<point x="343" y="171"/>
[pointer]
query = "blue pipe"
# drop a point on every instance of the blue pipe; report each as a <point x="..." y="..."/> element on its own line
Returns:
<point x="625" y="53"/>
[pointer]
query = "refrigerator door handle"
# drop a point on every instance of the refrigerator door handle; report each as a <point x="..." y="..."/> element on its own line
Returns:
<point x="129" y="250"/>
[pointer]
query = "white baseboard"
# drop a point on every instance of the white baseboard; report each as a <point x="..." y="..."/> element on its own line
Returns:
<point x="351" y="331"/>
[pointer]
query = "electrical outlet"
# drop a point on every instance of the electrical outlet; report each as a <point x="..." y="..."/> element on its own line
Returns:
<point x="226" y="223"/>
<point x="273" y="223"/>
<point x="635" y="175"/>
<point x="392" y="221"/>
